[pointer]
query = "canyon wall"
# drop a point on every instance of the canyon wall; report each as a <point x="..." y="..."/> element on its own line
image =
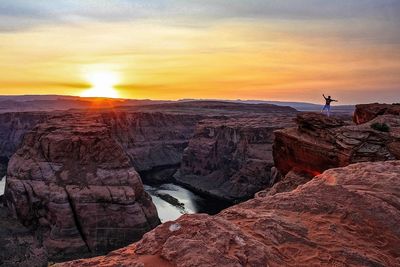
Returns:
<point x="13" y="127"/>
<point x="231" y="159"/>
<point x="74" y="185"/>
<point x="344" y="217"/>
<point x="153" y="141"/>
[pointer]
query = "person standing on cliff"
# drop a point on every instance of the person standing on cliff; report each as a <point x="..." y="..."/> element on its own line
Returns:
<point x="327" y="107"/>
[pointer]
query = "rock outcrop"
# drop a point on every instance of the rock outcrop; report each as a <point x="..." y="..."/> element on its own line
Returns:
<point x="18" y="246"/>
<point x="367" y="112"/>
<point x="13" y="126"/>
<point x="343" y="217"/>
<point x="231" y="159"/>
<point x="320" y="143"/>
<point x="75" y="186"/>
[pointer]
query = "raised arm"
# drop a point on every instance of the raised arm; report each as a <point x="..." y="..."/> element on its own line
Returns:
<point x="324" y="96"/>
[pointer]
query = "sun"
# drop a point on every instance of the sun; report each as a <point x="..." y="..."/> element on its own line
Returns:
<point x="102" y="85"/>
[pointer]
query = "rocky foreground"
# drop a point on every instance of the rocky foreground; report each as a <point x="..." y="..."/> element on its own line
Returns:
<point x="343" y="217"/>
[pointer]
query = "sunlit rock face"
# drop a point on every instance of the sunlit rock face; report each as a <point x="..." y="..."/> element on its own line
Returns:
<point x="13" y="127"/>
<point x="367" y="112"/>
<point x="344" y="217"/>
<point x="74" y="185"/>
<point x="319" y="143"/>
<point x="231" y="159"/>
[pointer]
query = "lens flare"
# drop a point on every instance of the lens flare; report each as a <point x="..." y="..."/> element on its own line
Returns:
<point x="102" y="85"/>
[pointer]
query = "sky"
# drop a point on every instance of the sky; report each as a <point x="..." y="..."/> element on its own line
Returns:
<point x="209" y="49"/>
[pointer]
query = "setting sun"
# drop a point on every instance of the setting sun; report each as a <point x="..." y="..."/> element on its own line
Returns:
<point x="102" y="85"/>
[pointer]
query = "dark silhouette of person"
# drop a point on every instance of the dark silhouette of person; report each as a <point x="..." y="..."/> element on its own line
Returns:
<point x="327" y="107"/>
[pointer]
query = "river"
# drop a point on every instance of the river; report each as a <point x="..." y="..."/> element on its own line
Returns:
<point x="2" y="185"/>
<point x="172" y="201"/>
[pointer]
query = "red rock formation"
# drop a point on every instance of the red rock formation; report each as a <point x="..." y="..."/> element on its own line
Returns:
<point x="344" y="217"/>
<point x="231" y="159"/>
<point x="74" y="185"/>
<point x="367" y="112"/>
<point x="320" y="143"/>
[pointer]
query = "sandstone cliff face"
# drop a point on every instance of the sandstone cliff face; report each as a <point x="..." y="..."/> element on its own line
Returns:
<point x="344" y="217"/>
<point x="153" y="141"/>
<point x="231" y="159"/>
<point x="75" y="186"/>
<point x="13" y="126"/>
<point x="367" y="112"/>
<point x="320" y="143"/>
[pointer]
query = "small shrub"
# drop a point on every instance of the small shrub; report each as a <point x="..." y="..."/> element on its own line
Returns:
<point x="382" y="127"/>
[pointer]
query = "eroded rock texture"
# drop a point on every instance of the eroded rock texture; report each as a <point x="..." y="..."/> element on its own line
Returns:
<point x="344" y="217"/>
<point x="367" y="112"/>
<point x="74" y="185"/>
<point x="320" y="143"/>
<point x="231" y="159"/>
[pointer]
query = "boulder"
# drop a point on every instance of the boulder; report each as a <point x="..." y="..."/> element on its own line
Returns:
<point x="344" y="217"/>
<point x="313" y="148"/>
<point x="74" y="185"/>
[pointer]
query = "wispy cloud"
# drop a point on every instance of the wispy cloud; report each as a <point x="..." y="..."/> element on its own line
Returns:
<point x="31" y="13"/>
<point x="203" y="48"/>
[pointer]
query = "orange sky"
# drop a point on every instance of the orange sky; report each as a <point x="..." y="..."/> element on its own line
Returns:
<point x="355" y="58"/>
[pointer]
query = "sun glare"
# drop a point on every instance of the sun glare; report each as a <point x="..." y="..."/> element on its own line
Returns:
<point x="102" y="85"/>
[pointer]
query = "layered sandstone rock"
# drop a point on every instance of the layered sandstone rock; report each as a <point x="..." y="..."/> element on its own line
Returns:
<point x="344" y="217"/>
<point x="231" y="159"/>
<point x="13" y="126"/>
<point x="367" y="112"/>
<point x="74" y="185"/>
<point x="320" y="143"/>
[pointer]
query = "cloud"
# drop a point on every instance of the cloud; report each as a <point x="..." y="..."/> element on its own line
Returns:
<point x="19" y="14"/>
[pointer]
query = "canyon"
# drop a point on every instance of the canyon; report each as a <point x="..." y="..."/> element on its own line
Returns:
<point x="74" y="178"/>
<point x="313" y="216"/>
<point x="319" y="190"/>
